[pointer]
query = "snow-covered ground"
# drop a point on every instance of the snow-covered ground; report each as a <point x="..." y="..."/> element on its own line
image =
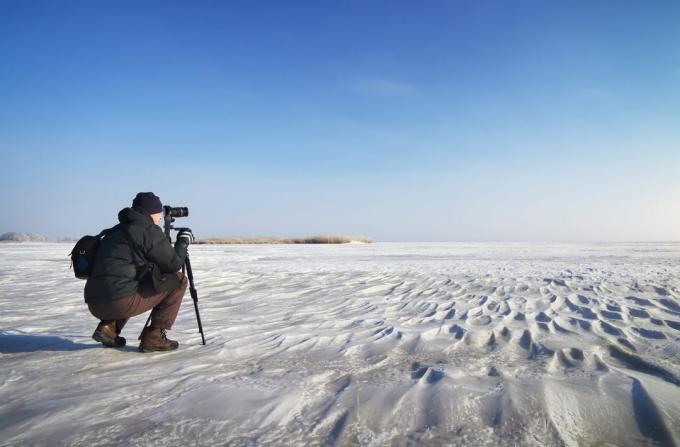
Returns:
<point x="382" y="344"/>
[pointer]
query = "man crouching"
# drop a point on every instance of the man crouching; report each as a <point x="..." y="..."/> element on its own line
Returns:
<point x="115" y="292"/>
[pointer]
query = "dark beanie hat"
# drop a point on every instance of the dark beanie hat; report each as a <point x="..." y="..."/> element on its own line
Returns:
<point x="149" y="202"/>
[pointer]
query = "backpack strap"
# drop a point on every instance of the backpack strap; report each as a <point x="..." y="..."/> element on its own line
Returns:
<point x="134" y="248"/>
<point x="145" y="267"/>
<point x="107" y="231"/>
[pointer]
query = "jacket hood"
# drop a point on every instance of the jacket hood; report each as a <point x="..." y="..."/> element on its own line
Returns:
<point x="131" y="215"/>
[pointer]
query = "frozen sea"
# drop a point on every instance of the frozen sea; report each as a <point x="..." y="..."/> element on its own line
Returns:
<point x="379" y="344"/>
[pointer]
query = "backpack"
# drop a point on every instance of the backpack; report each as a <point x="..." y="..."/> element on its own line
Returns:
<point x="85" y="252"/>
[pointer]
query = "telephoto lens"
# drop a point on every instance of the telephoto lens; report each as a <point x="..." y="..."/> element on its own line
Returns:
<point x="180" y="211"/>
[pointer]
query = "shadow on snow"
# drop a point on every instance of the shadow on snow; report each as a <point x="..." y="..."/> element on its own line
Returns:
<point x="15" y="343"/>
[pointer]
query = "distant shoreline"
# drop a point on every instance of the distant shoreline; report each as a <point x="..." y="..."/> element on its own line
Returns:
<point x="15" y="237"/>
<point x="320" y="239"/>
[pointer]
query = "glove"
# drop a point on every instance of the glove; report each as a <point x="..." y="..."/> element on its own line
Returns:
<point x="185" y="237"/>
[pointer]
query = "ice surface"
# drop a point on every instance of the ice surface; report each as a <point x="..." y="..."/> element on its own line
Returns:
<point x="380" y="344"/>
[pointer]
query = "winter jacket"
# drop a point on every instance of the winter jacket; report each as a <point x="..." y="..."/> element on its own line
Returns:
<point x="114" y="273"/>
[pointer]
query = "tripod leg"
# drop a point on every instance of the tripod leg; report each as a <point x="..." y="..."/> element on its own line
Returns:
<point x="194" y="295"/>
<point x="148" y="320"/>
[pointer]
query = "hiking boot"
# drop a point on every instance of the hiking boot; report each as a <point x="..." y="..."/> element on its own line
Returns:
<point x="107" y="334"/>
<point x="154" y="339"/>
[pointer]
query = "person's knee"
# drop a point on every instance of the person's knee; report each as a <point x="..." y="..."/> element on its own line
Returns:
<point x="183" y="280"/>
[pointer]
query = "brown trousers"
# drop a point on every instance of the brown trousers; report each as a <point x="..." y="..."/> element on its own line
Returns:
<point x="165" y="306"/>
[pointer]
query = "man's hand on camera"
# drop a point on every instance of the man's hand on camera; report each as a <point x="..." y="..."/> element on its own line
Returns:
<point x="185" y="237"/>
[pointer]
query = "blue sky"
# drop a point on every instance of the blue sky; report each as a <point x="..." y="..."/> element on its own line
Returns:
<point x="423" y="121"/>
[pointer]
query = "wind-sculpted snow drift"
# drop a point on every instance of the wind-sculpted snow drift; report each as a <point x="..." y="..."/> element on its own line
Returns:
<point x="384" y="344"/>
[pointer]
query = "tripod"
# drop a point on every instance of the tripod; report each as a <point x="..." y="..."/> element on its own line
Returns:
<point x="186" y="269"/>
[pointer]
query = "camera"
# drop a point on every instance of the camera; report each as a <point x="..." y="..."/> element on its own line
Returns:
<point x="180" y="211"/>
<point x="169" y="214"/>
